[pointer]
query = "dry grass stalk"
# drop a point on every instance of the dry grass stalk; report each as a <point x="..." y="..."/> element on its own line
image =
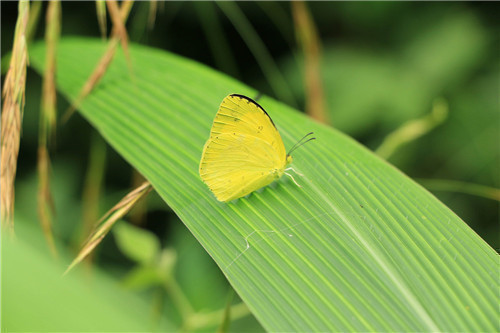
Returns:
<point x="310" y="43"/>
<point x="94" y="78"/>
<point x="49" y="105"/>
<point x="48" y="123"/>
<point x="153" y="9"/>
<point x="13" y="104"/>
<point x="125" y="9"/>
<point x="118" y="25"/>
<point x="101" y="17"/>
<point x="92" y="188"/>
<point x="119" y="17"/>
<point x="34" y="17"/>
<point x="105" y="60"/>
<point x="108" y="220"/>
<point x="138" y="214"/>
<point x="45" y="201"/>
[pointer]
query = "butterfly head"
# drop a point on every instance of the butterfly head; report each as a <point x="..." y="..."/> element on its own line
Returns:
<point x="289" y="159"/>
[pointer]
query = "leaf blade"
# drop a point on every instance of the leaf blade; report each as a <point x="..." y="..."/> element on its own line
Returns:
<point x="359" y="247"/>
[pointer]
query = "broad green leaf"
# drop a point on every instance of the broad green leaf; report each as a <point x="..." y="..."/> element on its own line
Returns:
<point x="359" y="247"/>
<point x="36" y="298"/>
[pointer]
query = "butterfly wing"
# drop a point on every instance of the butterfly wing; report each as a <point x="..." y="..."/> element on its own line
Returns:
<point x="240" y="114"/>
<point x="244" y="152"/>
<point x="235" y="164"/>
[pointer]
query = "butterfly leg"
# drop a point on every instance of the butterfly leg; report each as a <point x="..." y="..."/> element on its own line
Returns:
<point x="289" y="175"/>
<point x="294" y="171"/>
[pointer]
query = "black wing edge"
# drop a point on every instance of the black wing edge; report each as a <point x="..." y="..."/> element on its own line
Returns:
<point x="254" y="102"/>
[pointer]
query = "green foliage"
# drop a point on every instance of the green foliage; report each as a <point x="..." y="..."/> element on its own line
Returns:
<point x="366" y="88"/>
<point x="384" y="247"/>
<point x="154" y="266"/>
<point x="33" y="287"/>
<point x="359" y="247"/>
<point x="137" y="244"/>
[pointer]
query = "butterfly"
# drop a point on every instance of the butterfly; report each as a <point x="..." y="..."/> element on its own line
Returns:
<point x="244" y="151"/>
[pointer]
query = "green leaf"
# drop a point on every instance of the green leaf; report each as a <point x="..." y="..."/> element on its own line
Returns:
<point x="33" y="287"/>
<point x="153" y="274"/>
<point x="359" y="247"/>
<point x="142" y="277"/>
<point x="137" y="244"/>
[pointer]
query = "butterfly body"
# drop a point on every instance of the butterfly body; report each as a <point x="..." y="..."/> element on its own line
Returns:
<point x="244" y="152"/>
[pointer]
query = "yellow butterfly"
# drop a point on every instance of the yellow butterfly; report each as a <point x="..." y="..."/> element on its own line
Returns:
<point x="245" y="151"/>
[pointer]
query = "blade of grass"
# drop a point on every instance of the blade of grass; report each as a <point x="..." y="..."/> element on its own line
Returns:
<point x="226" y="319"/>
<point x="32" y="288"/>
<point x="216" y="38"/>
<point x="256" y="46"/>
<point x="279" y="16"/>
<point x="360" y="247"/>
<point x="207" y="320"/>
<point x="447" y="185"/>
<point x="413" y="129"/>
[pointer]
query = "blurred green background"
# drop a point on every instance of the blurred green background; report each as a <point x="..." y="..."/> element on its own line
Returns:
<point x="383" y="64"/>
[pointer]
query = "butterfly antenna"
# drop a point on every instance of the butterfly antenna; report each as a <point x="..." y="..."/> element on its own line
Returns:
<point x="298" y="142"/>
<point x="301" y="142"/>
